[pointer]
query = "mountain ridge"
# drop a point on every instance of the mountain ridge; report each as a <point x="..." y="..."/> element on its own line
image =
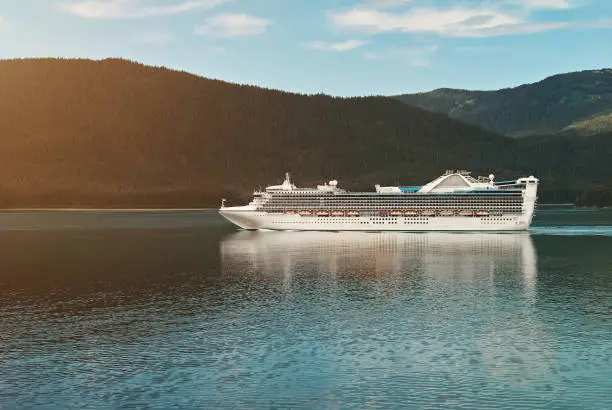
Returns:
<point x="576" y="103"/>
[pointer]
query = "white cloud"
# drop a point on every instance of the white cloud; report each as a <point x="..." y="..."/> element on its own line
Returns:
<point x="341" y="46"/>
<point x="456" y="21"/>
<point x="130" y="9"/>
<point x="417" y="56"/>
<point x="600" y="23"/>
<point x="386" y="3"/>
<point x="527" y="4"/>
<point x="543" y="4"/>
<point x="232" y="25"/>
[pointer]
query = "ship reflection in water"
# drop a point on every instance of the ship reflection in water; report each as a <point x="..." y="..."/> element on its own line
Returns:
<point x="432" y="298"/>
<point x="376" y="255"/>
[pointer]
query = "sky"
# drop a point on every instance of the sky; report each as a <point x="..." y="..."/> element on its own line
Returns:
<point x="337" y="47"/>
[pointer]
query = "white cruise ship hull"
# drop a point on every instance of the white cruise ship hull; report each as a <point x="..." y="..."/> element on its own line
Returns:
<point x="452" y="202"/>
<point x="262" y="220"/>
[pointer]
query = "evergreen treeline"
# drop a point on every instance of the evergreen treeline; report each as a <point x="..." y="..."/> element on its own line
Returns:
<point x="578" y="103"/>
<point x="114" y="133"/>
<point x="598" y="196"/>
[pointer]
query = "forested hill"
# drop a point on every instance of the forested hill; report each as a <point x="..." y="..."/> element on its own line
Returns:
<point x="578" y="103"/>
<point x="79" y="130"/>
<point x="116" y="133"/>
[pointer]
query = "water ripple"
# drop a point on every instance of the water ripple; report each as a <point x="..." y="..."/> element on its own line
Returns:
<point x="218" y="319"/>
<point x="604" y="230"/>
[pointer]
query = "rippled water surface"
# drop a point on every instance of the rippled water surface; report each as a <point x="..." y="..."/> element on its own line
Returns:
<point x="180" y="310"/>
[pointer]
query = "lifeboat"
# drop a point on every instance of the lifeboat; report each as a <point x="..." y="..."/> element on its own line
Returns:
<point x="411" y="213"/>
<point x="446" y="213"/>
<point x="322" y="213"/>
<point x="482" y="213"/>
<point x="396" y="213"/>
<point x="337" y="213"/>
<point x="384" y="213"/>
<point x="291" y="212"/>
<point x="466" y="212"/>
<point x="305" y="213"/>
<point x="352" y="213"/>
<point x="428" y="213"/>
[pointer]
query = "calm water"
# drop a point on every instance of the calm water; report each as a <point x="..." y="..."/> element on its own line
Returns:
<point x="179" y="310"/>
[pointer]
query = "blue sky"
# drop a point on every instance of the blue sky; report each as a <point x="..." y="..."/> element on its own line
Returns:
<point x="339" y="47"/>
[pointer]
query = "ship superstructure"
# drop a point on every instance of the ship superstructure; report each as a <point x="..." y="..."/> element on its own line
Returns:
<point x="453" y="201"/>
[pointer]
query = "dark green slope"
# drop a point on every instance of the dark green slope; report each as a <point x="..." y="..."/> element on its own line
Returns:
<point x="567" y="165"/>
<point x="578" y="103"/>
<point x="117" y="133"/>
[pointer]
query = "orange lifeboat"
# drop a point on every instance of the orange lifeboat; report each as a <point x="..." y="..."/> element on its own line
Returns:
<point x="466" y="212"/>
<point x="446" y="213"/>
<point x="352" y="213"/>
<point x="482" y="213"/>
<point x="428" y="213"/>
<point x="322" y="213"/>
<point x="396" y="213"/>
<point x="411" y="213"/>
<point x="305" y="213"/>
<point x="337" y="213"/>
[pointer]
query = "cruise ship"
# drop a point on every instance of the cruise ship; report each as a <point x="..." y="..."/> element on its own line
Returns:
<point x="455" y="201"/>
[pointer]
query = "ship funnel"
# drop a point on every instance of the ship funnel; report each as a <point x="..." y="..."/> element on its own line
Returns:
<point x="287" y="185"/>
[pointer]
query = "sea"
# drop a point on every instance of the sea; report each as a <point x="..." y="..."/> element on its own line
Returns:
<point x="179" y="309"/>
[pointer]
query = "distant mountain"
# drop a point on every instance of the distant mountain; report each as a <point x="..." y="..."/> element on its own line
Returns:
<point x="578" y="103"/>
<point x="114" y="133"/>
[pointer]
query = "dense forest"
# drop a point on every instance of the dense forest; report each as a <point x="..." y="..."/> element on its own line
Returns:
<point x="578" y="103"/>
<point x="595" y="197"/>
<point x="114" y="133"/>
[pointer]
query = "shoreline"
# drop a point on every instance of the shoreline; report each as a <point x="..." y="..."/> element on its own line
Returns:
<point x="104" y="209"/>
<point x="93" y="209"/>
<point x="567" y="204"/>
